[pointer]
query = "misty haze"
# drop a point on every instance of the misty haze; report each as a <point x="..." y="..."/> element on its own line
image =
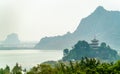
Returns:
<point x="59" y="37"/>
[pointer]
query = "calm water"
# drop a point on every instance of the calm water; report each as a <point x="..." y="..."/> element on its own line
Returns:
<point x="28" y="58"/>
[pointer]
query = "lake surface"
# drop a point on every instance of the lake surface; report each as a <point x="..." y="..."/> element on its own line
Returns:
<point x="28" y="58"/>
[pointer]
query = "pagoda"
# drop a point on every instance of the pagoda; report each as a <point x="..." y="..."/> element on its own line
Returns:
<point x="94" y="43"/>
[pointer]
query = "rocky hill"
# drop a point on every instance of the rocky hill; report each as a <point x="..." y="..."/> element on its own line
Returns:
<point x="12" y="39"/>
<point x="103" y="23"/>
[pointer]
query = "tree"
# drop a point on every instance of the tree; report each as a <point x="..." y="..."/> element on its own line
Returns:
<point x="82" y="45"/>
<point x="17" y="69"/>
<point x="7" y="70"/>
<point x="103" y="45"/>
<point x="66" y="51"/>
<point x="1" y="71"/>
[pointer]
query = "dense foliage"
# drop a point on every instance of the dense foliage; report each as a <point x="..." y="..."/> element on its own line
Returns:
<point x="83" y="49"/>
<point x="85" y="66"/>
<point x="16" y="70"/>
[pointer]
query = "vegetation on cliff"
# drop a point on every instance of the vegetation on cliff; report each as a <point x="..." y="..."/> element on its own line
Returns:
<point x="84" y="49"/>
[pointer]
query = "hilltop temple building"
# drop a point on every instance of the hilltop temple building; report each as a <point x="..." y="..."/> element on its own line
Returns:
<point x="94" y="43"/>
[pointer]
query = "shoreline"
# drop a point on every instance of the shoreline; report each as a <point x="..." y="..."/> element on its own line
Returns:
<point x="24" y="48"/>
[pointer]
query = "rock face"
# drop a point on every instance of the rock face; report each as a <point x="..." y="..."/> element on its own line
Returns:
<point x="12" y="39"/>
<point x="102" y="23"/>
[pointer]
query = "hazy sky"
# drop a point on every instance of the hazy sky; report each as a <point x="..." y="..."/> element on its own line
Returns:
<point x="34" y="19"/>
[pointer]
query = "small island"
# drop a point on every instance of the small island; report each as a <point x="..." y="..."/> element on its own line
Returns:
<point x="100" y="51"/>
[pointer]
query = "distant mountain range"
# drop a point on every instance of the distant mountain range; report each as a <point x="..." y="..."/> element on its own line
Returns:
<point x="103" y="24"/>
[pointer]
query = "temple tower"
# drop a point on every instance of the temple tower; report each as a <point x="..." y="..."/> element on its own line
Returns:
<point x="94" y="43"/>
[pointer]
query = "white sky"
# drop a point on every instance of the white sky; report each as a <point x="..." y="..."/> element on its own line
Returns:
<point x="34" y="19"/>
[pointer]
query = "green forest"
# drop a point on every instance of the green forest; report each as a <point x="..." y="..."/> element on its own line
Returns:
<point x="84" y="66"/>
